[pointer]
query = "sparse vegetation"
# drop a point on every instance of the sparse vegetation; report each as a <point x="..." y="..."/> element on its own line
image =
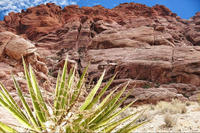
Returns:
<point x="188" y="103"/>
<point x="144" y="117"/>
<point x="146" y="86"/>
<point x="169" y="120"/>
<point x="173" y="107"/>
<point x="62" y="115"/>
<point x="152" y="107"/>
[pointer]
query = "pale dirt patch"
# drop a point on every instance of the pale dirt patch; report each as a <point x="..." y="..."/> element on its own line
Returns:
<point x="185" y="122"/>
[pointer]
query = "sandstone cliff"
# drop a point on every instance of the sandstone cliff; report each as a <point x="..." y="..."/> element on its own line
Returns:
<point x="151" y="47"/>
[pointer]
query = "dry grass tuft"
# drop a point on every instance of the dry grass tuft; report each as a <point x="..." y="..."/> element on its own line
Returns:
<point x="170" y="121"/>
<point x="173" y="107"/>
<point x="144" y="117"/>
<point x="188" y="103"/>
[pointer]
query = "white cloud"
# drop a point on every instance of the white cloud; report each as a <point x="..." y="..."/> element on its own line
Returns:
<point x="37" y="1"/>
<point x="7" y="6"/>
<point x="2" y="2"/>
<point x="64" y="3"/>
<point x="73" y="3"/>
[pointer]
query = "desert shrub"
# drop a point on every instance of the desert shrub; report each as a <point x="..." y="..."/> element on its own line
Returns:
<point x="143" y="117"/>
<point x="188" y="103"/>
<point x="169" y="120"/>
<point x="61" y="115"/>
<point x="179" y="105"/>
<point x="152" y="107"/>
<point x="173" y="107"/>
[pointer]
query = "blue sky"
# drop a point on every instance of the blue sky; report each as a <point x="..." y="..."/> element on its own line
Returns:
<point x="184" y="8"/>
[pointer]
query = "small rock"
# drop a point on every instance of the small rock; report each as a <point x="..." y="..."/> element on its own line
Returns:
<point x="2" y="74"/>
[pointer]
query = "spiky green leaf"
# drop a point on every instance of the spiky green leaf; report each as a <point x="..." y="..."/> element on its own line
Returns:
<point x="5" y="128"/>
<point x="108" y="117"/>
<point x="15" y="114"/>
<point x="97" y="98"/>
<point x="26" y="106"/>
<point x="77" y="90"/>
<point x="38" y="93"/>
<point x="110" y="107"/>
<point x="58" y="105"/>
<point x="132" y="124"/>
<point x="36" y="106"/>
<point x="110" y="127"/>
<point x="91" y="95"/>
<point x="10" y="101"/>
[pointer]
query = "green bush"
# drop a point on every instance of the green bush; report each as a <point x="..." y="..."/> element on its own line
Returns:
<point x="62" y="115"/>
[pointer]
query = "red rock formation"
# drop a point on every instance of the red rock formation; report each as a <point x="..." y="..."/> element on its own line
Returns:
<point x="43" y="19"/>
<point x="151" y="47"/>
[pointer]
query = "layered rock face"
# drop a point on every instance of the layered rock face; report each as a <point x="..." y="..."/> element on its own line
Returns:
<point x="153" y="49"/>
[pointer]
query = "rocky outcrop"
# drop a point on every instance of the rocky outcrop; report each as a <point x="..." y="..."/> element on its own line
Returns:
<point x="152" y="48"/>
<point x="43" y="19"/>
<point x="134" y="37"/>
<point x="12" y="49"/>
<point x="157" y="64"/>
<point x="15" y="46"/>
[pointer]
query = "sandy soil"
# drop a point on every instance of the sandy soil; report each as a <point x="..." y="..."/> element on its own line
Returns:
<point x="188" y="121"/>
<point x="183" y="122"/>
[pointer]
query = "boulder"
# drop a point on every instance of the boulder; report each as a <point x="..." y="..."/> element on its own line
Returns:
<point x="5" y="37"/>
<point x="136" y="37"/>
<point x="15" y="46"/>
<point x="18" y="47"/>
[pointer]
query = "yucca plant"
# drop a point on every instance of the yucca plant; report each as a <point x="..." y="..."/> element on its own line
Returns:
<point x="63" y="115"/>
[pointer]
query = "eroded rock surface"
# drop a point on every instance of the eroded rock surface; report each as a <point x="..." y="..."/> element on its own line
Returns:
<point x="12" y="49"/>
<point x="151" y="47"/>
<point x="160" y="65"/>
<point x="15" y="46"/>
